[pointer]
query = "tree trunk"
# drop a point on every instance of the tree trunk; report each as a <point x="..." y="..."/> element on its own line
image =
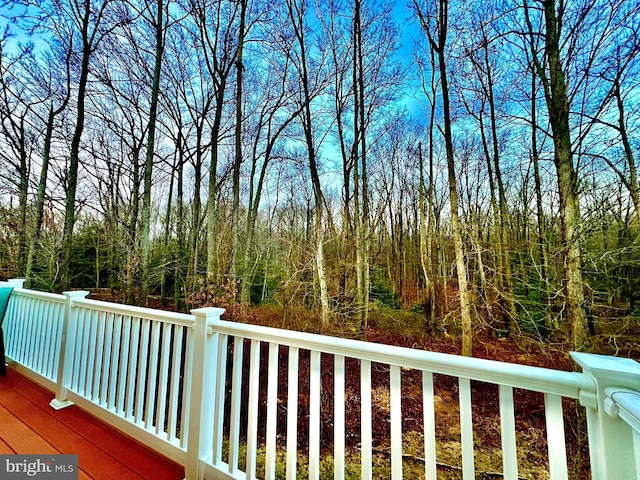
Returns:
<point x="463" y="286"/>
<point x="178" y="293"/>
<point x="212" y="220"/>
<point x="23" y="191"/>
<point x="237" y="269"/>
<point x="297" y="15"/>
<point x="426" y="244"/>
<point x="542" y="247"/>
<point x="145" y="240"/>
<point x="361" y="201"/>
<point x="74" y="157"/>
<point x="42" y="184"/>
<point x="558" y="107"/>
<point x="506" y="294"/>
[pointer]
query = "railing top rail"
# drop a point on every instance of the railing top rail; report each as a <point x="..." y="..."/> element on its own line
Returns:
<point x="51" y="297"/>
<point x="183" y="319"/>
<point x="624" y="403"/>
<point x="567" y="384"/>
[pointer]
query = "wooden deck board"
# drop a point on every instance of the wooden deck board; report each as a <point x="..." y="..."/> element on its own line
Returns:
<point x="29" y="425"/>
<point x="19" y="436"/>
<point x="4" y="448"/>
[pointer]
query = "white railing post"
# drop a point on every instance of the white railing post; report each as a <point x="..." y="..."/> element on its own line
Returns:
<point x="611" y="439"/>
<point x="16" y="282"/>
<point x="65" y="362"/>
<point x="202" y="396"/>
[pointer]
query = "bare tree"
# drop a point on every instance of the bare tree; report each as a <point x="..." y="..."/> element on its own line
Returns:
<point x="16" y="108"/>
<point x="552" y="75"/>
<point x="311" y="84"/>
<point x="434" y="22"/>
<point x="274" y="112"/>
<point x="158" y="20"/>
<point x="55" y="93"/>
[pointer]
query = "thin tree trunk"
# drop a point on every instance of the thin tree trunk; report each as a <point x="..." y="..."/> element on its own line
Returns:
<point x="194" y="240"/>
<point x="426" y="245"/>
<point x="558" y="108"/>
<point x="212" y="210"/>
<point x="23" y="192"/>
<point x="456" y="227"/>
<point x="437" y="45"/>
<point x="542" y="247"/>
<point x="74" y="156"/>
<point x="499" y="278"/>
<point x="297" y="15"/>
<point x="167" y="235"/>
<point x="42" y="186"/>
<point x="506" y="293"/>
<point x="237" y="269"/>
<point x="145" y="240"/>
<point x="178" y="293"/>
<point x="44" y="173"/>
<point x="361" y="201"/>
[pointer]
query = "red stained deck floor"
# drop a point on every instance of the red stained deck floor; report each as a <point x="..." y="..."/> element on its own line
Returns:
<point x="29" y="425"/>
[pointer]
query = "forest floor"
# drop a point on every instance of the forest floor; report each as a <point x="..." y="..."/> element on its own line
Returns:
<point x="619" y="337"/>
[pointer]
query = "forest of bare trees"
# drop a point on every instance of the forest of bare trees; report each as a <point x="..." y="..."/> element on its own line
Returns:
<point x="471" y="162"/>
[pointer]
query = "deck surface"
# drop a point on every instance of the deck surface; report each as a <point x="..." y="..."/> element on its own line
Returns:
<point x="28" y="425"/>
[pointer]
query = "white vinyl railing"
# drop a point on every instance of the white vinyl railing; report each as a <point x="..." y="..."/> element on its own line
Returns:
<point x="229" y="400"/>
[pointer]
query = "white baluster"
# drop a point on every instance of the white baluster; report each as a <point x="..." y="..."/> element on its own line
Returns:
<point x="41" y="338"/>
<point x="315" y="380"/>
<point x="84" y="351"/>
<point x="51" y="340"/>
<point x="508" y="433"/>
<point x="236" y="400"/>
<point x="163" y="380"/>
<point x="143" y="355"/>
<point x="338" y="420"/>
<point x="152" y="383"/>
<point x="466" y="429"/>
<point x="428" y="405"/>
<point x="252" y="416"/>
<point x="395" y="407"/>
<point x="30" y="333"/>
<point x="218" y="419"/>
<point x="292" y="414"/>
<point x="115" y="370"/>
<point x="185" y="415"/>
<point x="555" y="437"/>
<point x="101" y="357"/>
<point x="124" y="365"/>
<point x="365" y="420"/>
<point x="176" y="363"/>
<point x="136" y="324"/>
<point x="272" y="413"/>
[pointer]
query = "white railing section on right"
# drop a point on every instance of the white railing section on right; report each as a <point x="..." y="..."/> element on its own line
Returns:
<point x="235" y="429"/>
<point x="229" y="400"/>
